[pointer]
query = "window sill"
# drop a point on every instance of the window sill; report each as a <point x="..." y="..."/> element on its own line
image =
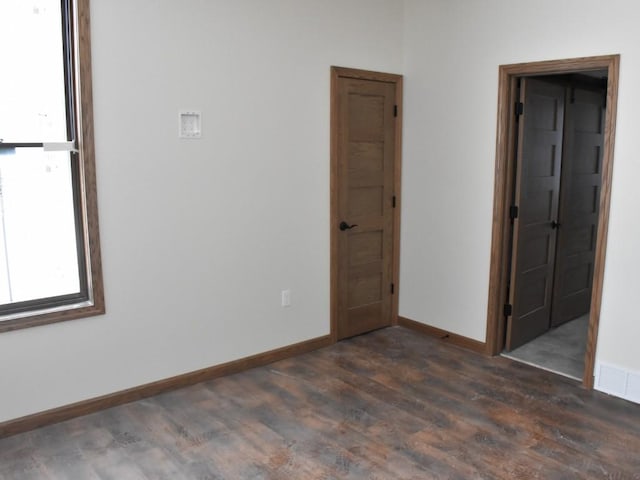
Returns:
<point x="47" y="316"/>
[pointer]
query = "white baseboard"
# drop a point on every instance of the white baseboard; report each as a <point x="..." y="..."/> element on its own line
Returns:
<point x="617" y="381"/>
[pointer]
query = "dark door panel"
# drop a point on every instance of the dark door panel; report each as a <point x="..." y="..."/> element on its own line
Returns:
<point x="579" y="204"/>
<point x="537" y="195"/>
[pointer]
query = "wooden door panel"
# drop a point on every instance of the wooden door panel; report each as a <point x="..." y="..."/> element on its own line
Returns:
<point x="366" y="201"/>
<point x="366" y="164"/>
<point x="579" y="204"/>
<point x="365" y="289"/>
<point x="366" y="248"/>
<point x="366" y="150"/>
<point x="361" y="320"/>
<point x="537" y="194"/>
<point x="366" y="113"/>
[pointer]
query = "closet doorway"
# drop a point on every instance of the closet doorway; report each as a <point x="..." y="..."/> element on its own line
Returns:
<point x="554" y="215"/>
<point x="553" y="176"/>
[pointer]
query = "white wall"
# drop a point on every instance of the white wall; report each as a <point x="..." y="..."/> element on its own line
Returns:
<point x="200" y="236"/>
<point x="452" y="51"/>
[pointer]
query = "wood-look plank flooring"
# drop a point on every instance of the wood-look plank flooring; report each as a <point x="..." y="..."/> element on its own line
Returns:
<point x="392" y="404"/>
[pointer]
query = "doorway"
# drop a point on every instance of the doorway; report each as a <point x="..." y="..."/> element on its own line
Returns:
<point x="537" y="279"/>
<point x="365" y="199"/>
<point x="554" y="218"/>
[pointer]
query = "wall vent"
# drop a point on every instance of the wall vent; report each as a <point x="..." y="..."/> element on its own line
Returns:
<point x="618" y="381"/>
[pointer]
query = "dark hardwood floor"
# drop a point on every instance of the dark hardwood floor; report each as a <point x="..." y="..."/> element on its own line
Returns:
<point x="388" y="405"/>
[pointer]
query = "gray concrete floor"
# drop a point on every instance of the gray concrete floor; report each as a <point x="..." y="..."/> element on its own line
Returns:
<point x="560" y="350"/>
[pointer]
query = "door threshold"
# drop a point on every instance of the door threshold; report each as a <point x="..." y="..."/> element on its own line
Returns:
<point x="541" y="367"/>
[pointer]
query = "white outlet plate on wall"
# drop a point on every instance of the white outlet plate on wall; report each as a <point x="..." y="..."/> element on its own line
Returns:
<point x="286" y="298"/>
<point x="189" y="124"/>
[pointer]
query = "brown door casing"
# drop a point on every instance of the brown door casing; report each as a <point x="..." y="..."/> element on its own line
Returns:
<point x="504" y="189"/>
<point x="364" y="200"/>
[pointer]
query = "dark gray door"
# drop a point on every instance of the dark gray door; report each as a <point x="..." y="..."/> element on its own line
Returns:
<point x="539" y="160"/>
<point x="579" y="204"/>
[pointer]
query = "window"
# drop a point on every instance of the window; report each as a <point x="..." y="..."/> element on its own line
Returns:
<point x="49" y="248"/>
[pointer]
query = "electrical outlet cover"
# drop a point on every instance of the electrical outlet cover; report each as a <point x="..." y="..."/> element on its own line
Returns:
<point x="189" y="124"/>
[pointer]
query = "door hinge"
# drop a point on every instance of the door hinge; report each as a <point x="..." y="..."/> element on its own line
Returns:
<point x="513" y="212"/>
<point x="508" y="310"/>
<point x="393" y="201"/>
<point x="519" y="109"/>
<point x="395" y="110"/>
<point x="393" y="288"/>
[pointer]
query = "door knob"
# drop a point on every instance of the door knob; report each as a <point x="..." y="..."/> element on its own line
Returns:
<point x="345" y="226"/>
<point x="555" y="224"/>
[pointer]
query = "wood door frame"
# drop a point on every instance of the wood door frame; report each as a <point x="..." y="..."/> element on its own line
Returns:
<point x="336" y="74"/>
<point x="504" y="184"/>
